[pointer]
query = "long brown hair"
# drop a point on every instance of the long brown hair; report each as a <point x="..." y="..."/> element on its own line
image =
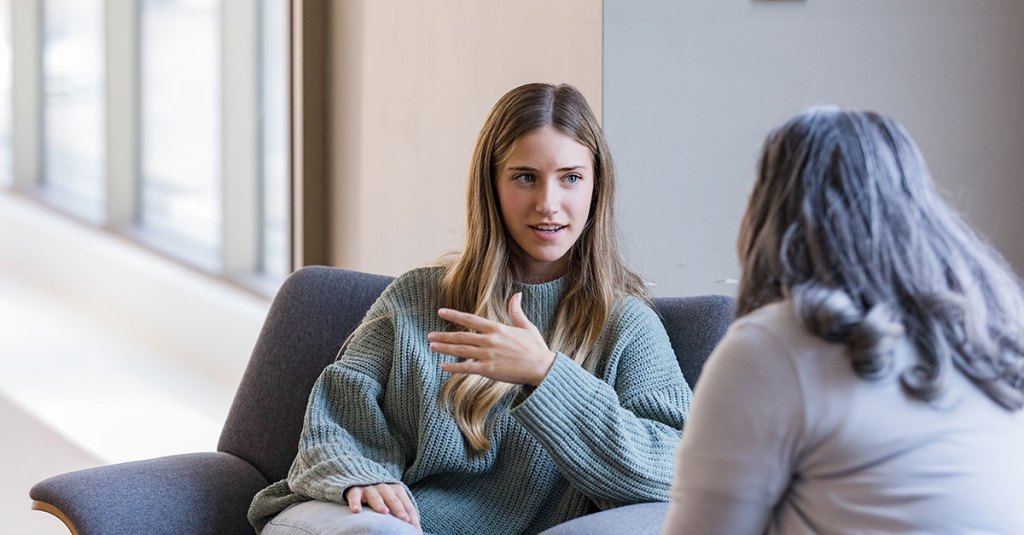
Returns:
<point x="481" y="278"/>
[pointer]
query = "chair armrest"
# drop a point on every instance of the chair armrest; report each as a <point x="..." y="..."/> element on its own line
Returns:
<point x="638" y="519"/>
<point x="194" y="493"/>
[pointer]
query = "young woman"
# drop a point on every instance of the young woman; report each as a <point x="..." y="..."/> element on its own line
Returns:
<point x="874" y="379"/>
<point x="523" y="384"/>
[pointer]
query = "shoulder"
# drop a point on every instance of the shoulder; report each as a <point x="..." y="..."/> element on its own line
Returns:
<point x="633" y="315"/>
<point x="758" y="358"/>
<point x="420" y="276"/>
<point x="769" y="342"/>
<point x="776" y="322"/>
<point x="415" y="286"/>
<point x="779" y="314"/>
<point x="635" y="332"/>
<point x="413" y="291"/>
<point x="408" y="302"/>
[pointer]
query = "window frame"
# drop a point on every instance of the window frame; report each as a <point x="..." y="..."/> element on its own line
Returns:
<point x="240" y="256"/>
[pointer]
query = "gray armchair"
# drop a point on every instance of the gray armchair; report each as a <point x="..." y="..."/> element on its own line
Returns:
<point x="313" y="313"/>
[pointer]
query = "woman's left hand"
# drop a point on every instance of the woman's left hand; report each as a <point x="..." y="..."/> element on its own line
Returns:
<point x="512" y="354"/>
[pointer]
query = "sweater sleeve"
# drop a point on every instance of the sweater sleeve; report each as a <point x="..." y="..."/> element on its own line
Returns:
<point x="736" y="457"/>
<point x="614" y="442"/>
<point x="346" y="440"/>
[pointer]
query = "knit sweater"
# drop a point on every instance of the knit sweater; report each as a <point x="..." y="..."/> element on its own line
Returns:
<point x="576" y="443"/>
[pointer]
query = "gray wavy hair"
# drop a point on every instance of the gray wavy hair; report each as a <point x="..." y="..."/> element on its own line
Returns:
<point x="844" y="220"/>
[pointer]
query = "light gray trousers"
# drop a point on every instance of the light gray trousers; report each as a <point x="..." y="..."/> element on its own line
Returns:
<point x="323" y="518"/>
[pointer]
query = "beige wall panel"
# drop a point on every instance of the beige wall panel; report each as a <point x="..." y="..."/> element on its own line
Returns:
<point x="412" y="83"/>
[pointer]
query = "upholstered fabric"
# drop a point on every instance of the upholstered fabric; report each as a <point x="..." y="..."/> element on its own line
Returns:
<point x="312" y="315"/>
<point x="695" y="324"/>
<point x="314" y="312"/>
<point x="193" y="493"/>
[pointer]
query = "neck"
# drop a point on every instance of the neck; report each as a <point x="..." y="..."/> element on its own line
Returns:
<point x="530" y="271"/>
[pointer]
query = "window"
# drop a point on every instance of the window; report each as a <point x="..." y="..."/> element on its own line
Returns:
<point x="164" y="120"/>
<point x="275" y="257"/>
<point x="180" y="127"/>
<point x="6" y="145"/>
<point x="73" y="106"/>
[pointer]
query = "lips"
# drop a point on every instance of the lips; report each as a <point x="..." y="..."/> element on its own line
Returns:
<point x="548" y="228"/>
<point x="548" y="232"/>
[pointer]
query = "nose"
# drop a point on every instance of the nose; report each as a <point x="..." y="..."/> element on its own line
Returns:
<point x="548" y="198"/>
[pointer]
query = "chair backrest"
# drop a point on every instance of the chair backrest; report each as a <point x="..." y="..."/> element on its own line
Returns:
<point x="695" y="324"/>
<point x="315" y="311"/>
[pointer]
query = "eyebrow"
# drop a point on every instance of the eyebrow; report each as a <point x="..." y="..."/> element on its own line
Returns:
<point x="560" y="169"/>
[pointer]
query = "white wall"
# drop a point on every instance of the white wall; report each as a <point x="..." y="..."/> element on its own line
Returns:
<point x="691" y="89"/>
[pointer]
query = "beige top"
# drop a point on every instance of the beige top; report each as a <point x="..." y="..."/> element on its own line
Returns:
<point x="785" y="438"/>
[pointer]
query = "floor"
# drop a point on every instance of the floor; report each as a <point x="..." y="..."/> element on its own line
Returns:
<point x="74" y="394"/>
<point x="33" y="452"/>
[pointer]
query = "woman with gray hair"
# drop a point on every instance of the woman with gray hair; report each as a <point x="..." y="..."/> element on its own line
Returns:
<point x="874" y="379"/>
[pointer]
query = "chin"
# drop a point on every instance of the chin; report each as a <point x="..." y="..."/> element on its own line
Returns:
<point x="548" y="258"/>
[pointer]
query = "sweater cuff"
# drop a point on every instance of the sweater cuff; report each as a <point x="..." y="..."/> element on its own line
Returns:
<point x="341" y="484"/>
<point x="335" y="471"/>
<point x="563" y="399"/>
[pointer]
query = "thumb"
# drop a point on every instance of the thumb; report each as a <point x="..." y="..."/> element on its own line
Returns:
<point x="515" y="312"/>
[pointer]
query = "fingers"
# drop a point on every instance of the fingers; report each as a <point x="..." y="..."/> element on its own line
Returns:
<point x="464" y="345"/>
<point x="414" y="514"/>
<point x="384" y="499"/>
<point x="515" y="312"/>
<point x="458" y="337"/>
<point x="470" y="321"/>
<point x="402" y="506"/>
<point x="468" y="366"/>
<point x="460" y="351"/>
<point x="393" y="501"/>
<point x="373" y="498"/>
<point x="354" y="496"/>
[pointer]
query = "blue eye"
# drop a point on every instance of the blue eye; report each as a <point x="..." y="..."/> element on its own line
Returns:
<point x="525" y="178"/>
<point x="572" y="179"/>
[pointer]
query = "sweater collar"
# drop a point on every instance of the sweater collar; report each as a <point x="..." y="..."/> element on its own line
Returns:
<point x="540" y="301"/>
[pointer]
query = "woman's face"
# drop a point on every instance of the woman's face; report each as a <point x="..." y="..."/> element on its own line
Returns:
<point x="544" y="189"/>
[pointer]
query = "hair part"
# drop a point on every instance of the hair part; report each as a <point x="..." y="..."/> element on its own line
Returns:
<point x="480" y="279"/>
<point x="845" y="220"/>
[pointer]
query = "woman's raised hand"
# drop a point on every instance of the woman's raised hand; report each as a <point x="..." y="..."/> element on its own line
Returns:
<point x="512" y="354"/>
<point x="385" y="499"/>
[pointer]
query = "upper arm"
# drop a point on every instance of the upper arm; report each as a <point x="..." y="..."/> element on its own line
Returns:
<point x="646" y="362"/>
<point x="737" y="454"/>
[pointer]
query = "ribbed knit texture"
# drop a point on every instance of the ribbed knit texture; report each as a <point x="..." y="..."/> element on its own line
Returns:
<point x="576" y="443"/>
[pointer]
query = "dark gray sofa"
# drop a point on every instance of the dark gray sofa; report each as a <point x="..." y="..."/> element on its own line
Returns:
<point x="313" y="313"/>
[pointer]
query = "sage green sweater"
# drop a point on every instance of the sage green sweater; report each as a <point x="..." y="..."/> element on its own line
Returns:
<point x="576" y="443"/>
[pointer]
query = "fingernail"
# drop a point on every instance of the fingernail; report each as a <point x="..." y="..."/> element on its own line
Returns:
<point x="442" y="312"/>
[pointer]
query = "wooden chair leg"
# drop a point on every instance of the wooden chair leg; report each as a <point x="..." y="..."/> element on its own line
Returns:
<point x="53" y="510"/>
